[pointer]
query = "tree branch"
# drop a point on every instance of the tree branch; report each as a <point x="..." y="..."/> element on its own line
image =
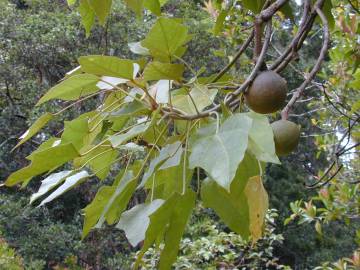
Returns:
<point x="316" y="68"/>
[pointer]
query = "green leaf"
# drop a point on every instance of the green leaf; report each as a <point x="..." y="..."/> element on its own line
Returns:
<point x="119" y="199"/>
<point x="87" y="16"/>
<point x="200" y="95"/>
<point x="75" y="132"/>
<point x="72" y="88"/>
<point x="232" y="207"/>
<point x="261" y="139"/>
<point x="253" y="5"/>
<point x="93" y="210"/>
<point x="107" y="66"/>
<point x="163" y="71"/>
<point x="175" y="231"/>
<point x="101" y="8"/>
<point x="49" y="183"/>
<point x="287" y="11"/>
<point x="327" y="12"/>
<point x="39" y="124"/>
<point x="135" y="221"/>
<point x="220" y="154"/>
<point x="69" y="183"/>
<point x="117" y="140"/>
<point x="219" y="25"/>
<point x="100" y="160"/>
<point x="169" y="156"/>
<point x="170" y="218"/>
<point x="165" y="38"/>
<point x="135" y="5"/>
<point x="153" y="6"/>
<point x="43" y="161"/>
<point x="258" y="202"/>
<point x="71" y="2"/>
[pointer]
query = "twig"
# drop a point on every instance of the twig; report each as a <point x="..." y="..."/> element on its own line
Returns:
<point x="316" y="68"/>
<point x="236" y="57"/>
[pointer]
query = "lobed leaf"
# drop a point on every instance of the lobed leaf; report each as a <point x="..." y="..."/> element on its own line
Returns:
<point x="43" y="161"/>
<point x="220" y="154"/>
<point x="34" y="128"/>
<point x="72" y="88"/>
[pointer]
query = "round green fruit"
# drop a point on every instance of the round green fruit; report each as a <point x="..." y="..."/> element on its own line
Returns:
<point x="267" y="93"/>
<point x="286" y="136"/>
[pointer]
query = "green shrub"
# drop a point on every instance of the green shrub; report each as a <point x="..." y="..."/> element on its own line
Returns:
<point x="8" y="258"/>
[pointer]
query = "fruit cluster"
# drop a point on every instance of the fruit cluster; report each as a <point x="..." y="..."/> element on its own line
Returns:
<point x="267" y="94"/>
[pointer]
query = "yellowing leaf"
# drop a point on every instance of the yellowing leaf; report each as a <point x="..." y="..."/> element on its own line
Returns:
<point x="258" y="202"/>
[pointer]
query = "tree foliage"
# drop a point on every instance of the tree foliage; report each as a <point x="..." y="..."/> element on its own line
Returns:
<point x="163" y="125"/>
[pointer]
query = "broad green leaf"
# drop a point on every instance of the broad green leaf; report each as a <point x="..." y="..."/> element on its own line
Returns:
<point x="153" y="6"/>
<point x="107" y="66"/>
<point x="119" y="199"/>
<point x="99" y="160"/>
<point x="135" y="5"/>
<point x="220" y="154"/>
<point x="101" y="8"/>
<point x="169" y="156"/>
<point x="49" y="183"/>
<point x="200" y="95"/>
<point x="258" y="202"/>
<point x="72" y="88"/>
<point x="43" y="161"/>
<point x="261" y="139"/>
<point x="135" y="221"/>
<point x="117" y="140"/>
<point x="71" y="2"/>
<point x="93" y="210"/>
<point x="232" y="207"/>
<point x="219" y="25"/>
<point x="87" y="16"/>
<point x="327" y="12"/>
<point x="163" y="71"/>
<point x="169" y="218"/>
<point x="39" y="124"/>
<point x="75" y="132"/>
<point x="175" y="231"/>
<point x="287" y="11"/>
<point x="134" y="108"/>
<point x="253" y="5"/>
<point x="169" y="180"/>
<point x="165" y="38"/>
<point x="69" y="183"/>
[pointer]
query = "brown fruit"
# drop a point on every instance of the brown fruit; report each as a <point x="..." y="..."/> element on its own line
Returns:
<point x="286" y="136"/>
<point x="267" y="93"/>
